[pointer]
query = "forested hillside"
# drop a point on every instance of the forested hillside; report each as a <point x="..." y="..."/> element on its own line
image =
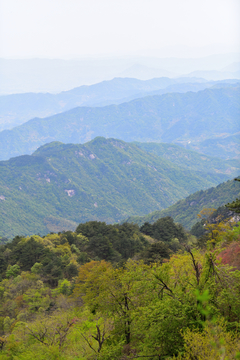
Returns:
<point x="185" y="211"/>
<point x="190" y="159"/>
<point x="188" y="118"/>
<point x="61" y="185"/>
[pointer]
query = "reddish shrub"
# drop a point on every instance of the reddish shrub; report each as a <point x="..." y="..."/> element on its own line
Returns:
<point x="231" y="255"/>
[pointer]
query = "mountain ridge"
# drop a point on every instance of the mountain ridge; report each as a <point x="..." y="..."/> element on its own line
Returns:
<point x="104" y="180"/>
<point x="189" y="117"/>
<point x="16" y="109"/>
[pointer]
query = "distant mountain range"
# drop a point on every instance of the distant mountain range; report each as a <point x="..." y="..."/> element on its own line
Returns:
<point x="188" y="119"/>
<point x="185" y="211"/>
<point x="231" y="71"/>
<point x="18" y="108"/>
<point x="55" y="75"/>
<point x="143" y="72"/>
<point x="212" y="75"/>
<point x="235" y="66"/>
<point x="61" y="185"/>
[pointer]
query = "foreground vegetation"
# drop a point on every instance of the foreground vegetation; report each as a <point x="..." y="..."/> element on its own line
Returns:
<point x="122" y="292"/>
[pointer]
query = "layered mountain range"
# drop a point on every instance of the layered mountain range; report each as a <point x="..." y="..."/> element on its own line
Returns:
<point x="191" y="119"/>
<point x="55" y="75"/>
<point x="64" y="183"/>
<point x="16" y="109"/>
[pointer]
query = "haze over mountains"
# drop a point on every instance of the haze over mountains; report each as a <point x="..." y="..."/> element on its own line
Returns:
<point x="55" y="75"/>
<point x="16" y="109"/>
<point x="188" y="118"/>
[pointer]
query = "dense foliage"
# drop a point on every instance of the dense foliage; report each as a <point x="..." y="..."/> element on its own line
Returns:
<point x="80" y="296"/>
<point x="58" y="255"/>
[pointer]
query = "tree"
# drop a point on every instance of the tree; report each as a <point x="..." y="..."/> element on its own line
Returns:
<point x="95" y="328"/>
<point x="27" y="253"/>
<point x="235" y="205"/>
<point x="156" y="252"/>
<point x="164" y="229"/>
<point x="214" y="227"/>
<point x="51" y="331"/>
<point x="113" y="292"/>
<point x="214" y="342"/>
<point x="13" y="271"/>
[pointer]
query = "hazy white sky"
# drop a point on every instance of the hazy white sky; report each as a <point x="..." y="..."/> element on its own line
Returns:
<point x="75" y="28"/>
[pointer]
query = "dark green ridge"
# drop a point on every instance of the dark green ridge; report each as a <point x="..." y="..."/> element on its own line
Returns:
<point x="61" y="185"/>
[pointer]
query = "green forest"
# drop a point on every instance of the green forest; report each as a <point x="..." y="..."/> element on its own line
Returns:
<point x="124" y="291"/>
<point x="62" y="185"/>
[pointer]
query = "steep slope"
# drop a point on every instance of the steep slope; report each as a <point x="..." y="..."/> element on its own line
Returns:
<point x="185" y="211"/>
<point x="186" y="118"/>
<point x="61" y="185"/>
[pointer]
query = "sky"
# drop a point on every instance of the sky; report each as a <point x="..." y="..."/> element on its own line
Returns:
<point x="83" y="28"/>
